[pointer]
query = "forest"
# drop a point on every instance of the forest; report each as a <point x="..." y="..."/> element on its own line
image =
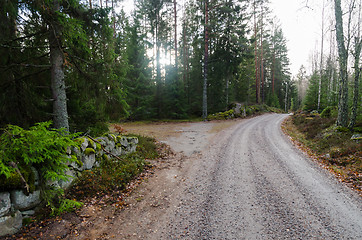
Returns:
<point x="86" y="63"/>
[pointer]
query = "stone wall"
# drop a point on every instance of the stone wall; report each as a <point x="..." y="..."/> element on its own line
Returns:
<point x="15" y="205"/>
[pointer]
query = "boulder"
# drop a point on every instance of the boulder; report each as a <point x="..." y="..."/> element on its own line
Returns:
<point x="22" y="202"/>
<point x="117" y="151"/>
<point x="5" y="203"/>
<point x="84" y="144"/>
<point x="88" y="161"/>
<point x="66" y="183"/>
<point x="11" y="224"/>
<point x="28" y="213"/>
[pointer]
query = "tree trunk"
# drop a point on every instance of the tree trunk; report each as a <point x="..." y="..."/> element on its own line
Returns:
<point x="357" y="74"/>
<point x="286" y="97"/>
<point x="175" y="16"/>
<point x="60" y="113"/>
<point x="342" y="118"/>
<point x="321" y="63"/>
<point x="158" y="68"/>
<point x="257" y="90"/>
<point x="261" y="59"/>
<point x="206" y="56"/>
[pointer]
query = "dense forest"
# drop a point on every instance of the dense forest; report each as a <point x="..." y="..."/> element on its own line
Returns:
<point x="84" y="63"/>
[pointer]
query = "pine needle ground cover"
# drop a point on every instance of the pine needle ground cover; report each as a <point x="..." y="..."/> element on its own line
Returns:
<point x="330" y="145"/>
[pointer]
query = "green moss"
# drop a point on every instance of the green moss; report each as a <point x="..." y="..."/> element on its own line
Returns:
<point x="15" y="181"/>
<point x="105" y="157"/>
<point x="222" y="115"/>
<point x="90" y="143"/>
<point x="342" y="129"/>
<point x="80" y="140"/>
<point x="112" y="137"/>
<point x="119" y="138"/>
<point x="329" y="112"/>
<point x="98" y="147"/>
<point x="89" y="151"/>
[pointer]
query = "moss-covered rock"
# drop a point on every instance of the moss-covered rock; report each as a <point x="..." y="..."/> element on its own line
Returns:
<point x="91" y="143"/>
<point x="15" y="181"/>
<point x="89" y="151"/>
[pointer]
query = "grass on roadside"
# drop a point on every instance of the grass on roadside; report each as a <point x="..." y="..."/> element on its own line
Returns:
<point x="330" y="145"/>
<point x="112" y="176"/>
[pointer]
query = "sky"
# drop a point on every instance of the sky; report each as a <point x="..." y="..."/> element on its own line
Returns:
<point x="301" y="26"/>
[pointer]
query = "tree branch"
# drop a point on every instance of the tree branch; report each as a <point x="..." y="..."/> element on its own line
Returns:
<point x="105" y="149"/>
<point x="15" y="166"/>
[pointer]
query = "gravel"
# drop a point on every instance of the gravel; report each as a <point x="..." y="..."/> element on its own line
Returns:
<point x="252" y="183"/>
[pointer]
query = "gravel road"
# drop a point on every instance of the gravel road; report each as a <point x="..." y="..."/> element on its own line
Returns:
<point x="240" y="179"/>
<point x="252" y="183"/>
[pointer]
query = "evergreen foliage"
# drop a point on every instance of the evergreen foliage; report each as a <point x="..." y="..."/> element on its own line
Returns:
<point x="45" y="150"/>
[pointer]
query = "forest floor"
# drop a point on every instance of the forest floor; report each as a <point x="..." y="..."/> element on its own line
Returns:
<point x="242" y="176"/>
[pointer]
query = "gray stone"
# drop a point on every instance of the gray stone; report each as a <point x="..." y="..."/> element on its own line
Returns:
<point x="5" y="203"/>
<point x="117" y="151"/>
<point x="102" y="140"/>
<point x="132" y="148"/>
<point x="67" y="183"/>
<point x="110" y="146"/>
<point x="133" y="140"/>
<point x="84" y="144"/>
<point x="22" y="202"/>
<point x="11" y="224"/>
<point x="28" y="213"/>
<point x="76" y="166"/>
<point x="88" y="161"/>
<point x="124" y="142"/>
<point x="237" y="108"/>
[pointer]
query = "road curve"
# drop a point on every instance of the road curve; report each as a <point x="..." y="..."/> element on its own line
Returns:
<point x="252" y="183"/>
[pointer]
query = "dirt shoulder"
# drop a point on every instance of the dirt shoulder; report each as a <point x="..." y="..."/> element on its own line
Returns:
<point x="186" y="138"/>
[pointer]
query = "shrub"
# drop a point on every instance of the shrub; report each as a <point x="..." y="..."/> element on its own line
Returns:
<point x="39" y="147"/>
<point x="221" y="115"/>
<point x="329" y="112"/>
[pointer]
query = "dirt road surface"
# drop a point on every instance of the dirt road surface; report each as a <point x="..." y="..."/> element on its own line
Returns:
<point x="242" y="180"/>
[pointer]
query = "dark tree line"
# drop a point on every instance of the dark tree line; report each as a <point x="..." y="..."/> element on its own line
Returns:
<point x="82" y="64"/>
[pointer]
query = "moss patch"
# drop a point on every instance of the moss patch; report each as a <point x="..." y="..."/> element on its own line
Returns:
<point x="330" y="145"/>
<point x="89" y="151"/>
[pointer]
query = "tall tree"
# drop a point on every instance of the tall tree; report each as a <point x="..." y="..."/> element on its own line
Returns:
<point x="60" y="112"/>
<point x="206" y="59"/>
<point x="357" y="68"/>
<point x="342" y="118"/>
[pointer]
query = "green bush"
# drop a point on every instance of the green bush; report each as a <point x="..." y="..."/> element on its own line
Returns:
<point x="42" y="148"/>
<point x="221" y="115"/>
<point x="329" y="112"/>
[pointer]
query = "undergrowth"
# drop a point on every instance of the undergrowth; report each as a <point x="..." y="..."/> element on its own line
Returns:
<point x="113" y="175"/>
<point x="243" y="111"/>
<point x="332" y="145"/>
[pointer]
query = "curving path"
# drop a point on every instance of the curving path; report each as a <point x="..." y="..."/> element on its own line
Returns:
<point x="251" y="183"/>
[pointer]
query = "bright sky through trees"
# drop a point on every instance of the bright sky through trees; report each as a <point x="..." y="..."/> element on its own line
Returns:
<point x="301" y="25"/>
